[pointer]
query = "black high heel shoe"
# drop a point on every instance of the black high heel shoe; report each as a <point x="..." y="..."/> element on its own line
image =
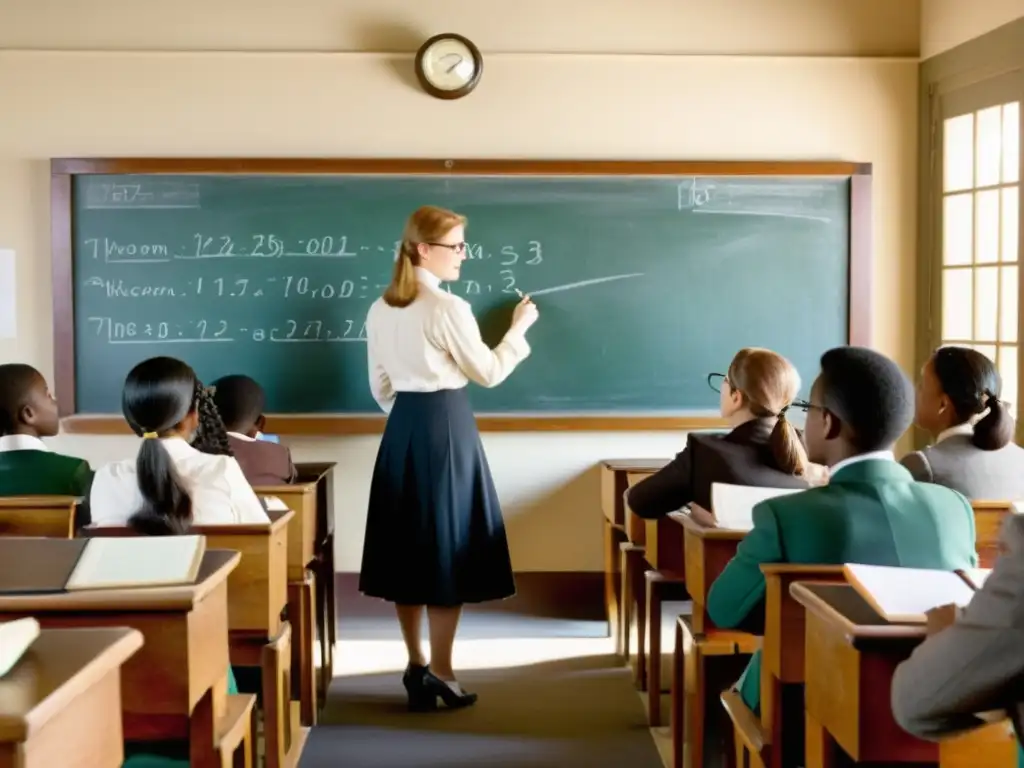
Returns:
<point x="425" y="688"/>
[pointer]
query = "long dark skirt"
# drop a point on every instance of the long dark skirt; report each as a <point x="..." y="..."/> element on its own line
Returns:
<point x="434" y="532"/>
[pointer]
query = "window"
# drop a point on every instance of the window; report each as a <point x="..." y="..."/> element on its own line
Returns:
<point x="979" y="233"/>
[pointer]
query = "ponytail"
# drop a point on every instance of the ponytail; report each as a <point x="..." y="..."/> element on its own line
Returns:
<point x="404" y="287"/>
<point x="786" y="446"/>
<point x="996" y="429"/>
<point x="166" y="507"/>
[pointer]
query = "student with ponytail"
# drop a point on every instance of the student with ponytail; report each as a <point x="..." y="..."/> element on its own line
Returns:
<point x="958" y="403"/>
<point x="763" y="449"/>
<point x="170" y="484"/>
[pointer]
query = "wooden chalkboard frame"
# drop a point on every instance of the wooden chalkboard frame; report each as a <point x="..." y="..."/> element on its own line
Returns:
<point x="63" y="170"/>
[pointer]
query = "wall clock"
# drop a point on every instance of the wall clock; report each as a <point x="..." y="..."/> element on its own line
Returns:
<point x="449" y="66"/>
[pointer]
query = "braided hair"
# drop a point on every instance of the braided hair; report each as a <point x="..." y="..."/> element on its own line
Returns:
<point x="211" y="436"/>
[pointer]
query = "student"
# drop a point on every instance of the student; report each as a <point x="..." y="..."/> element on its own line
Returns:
<point x="240" y="401"/>
<point x="170" y="484"/>
<point x="871" y="511"/>
<point x="763" y="448"/>
<point x="970" y="672"/>
<point x="958" y="404"/>
<point x="28" y="413"/>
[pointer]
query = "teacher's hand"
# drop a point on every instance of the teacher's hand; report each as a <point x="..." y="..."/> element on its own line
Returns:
<point x="525" y="314"/>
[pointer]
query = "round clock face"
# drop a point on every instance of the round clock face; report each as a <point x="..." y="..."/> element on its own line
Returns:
<point x="449" y="64"/>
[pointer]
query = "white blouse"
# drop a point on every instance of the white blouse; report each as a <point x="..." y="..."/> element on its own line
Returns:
<point x="433" y="344"/>
<point x="219" y="491"/>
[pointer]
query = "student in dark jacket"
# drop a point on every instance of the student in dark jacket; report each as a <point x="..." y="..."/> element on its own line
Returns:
<point x="240" y="401"/>
<point x="28" y="413"/>
<point x="763" y="449"/>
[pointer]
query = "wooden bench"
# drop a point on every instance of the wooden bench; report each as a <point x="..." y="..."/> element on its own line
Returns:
<point x="613" y="486"/>
<point x="759" y="737"/>
<point x="62" y="699"/>
<point x="48" y="516"/>
<point x="257" y="592"/>
<point x="850" y="656"/>
<point x="175" y="686"/>
<point x="705" y="657"/>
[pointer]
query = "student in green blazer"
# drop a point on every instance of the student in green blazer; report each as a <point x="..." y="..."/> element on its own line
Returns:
<point x="28" y="413"/>
<point x="872" y="510"/>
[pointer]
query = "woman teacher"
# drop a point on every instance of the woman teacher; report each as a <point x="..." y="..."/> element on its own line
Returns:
<point x="434" y="532"/>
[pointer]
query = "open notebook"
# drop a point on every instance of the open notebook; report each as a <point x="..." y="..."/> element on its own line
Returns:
<point x="905" y="595"/>
<point x="733" y="505"/>
<point x="41" y="566"/>
<point x="15" y="638"/>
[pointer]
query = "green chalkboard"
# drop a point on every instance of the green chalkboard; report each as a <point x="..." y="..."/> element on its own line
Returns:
<point x="645" y="284"/>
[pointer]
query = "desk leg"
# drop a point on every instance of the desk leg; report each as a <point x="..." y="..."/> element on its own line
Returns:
<point x="613" y="537"/>
<point x="659" y="587"/>
<point x="678" y="698"/>
<point x="301" y="616"/>
<point x="819" y="746"/>
<point x="332" y="602"/>
<point x="626" y="599"/>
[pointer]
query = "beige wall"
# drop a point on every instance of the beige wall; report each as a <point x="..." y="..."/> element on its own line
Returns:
<point x="540" y="97"/>
<point x="946" y="24"/>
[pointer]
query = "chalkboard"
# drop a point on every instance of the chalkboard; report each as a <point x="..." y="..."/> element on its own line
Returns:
<point x="645" y="283"/>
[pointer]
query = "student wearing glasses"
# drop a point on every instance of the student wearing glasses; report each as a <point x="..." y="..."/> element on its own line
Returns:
<point x="434" y="531"/>
<point x="762" y="449"/>
<point x="872" y="510"/>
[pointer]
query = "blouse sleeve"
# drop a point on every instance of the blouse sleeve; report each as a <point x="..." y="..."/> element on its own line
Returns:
<point x="380" y="384"/>
<point x="245" y="504"/>
<point x="455" y="330"/>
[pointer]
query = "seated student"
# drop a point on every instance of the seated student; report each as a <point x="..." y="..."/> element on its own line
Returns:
<point x="170" y="484"/>
<point x="763" y="448"/>
<point x="958" y="404"/>
<point x="970" y="672"/>
<point x="28" y="412"/>
<point x="872" y="511"/>
<point x="240" y="401"/>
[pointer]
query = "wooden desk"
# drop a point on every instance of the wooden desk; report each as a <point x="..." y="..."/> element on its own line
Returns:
<point x="988" y="522"/>
<point x="666" y="580"/>
<point x="49" y="516"/>
<point x="759" y="738"/>
<point x="61" y="703"/>
<point x="850" y="656"/>
<point x="175" y="687"/>
<point x="705" y="658"/>
<point x="613" y="486"/>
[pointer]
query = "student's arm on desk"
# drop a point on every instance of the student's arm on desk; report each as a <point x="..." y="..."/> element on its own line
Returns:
<point x="974" y="666"/>
<point x="667" y="490"/>
<point x="740" y="588"/>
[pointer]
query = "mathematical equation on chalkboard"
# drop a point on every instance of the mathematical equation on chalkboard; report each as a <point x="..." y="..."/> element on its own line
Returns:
<point x="214" y="331"/>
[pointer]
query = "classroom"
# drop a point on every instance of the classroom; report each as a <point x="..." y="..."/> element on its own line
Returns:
<point x="858" y="84"/>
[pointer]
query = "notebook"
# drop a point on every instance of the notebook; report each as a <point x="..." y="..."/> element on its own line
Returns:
<point x="904" y="595"/>
<point x="15" y="639"/>
<point x="733" y="505"/>
<point x="41" y="566"/>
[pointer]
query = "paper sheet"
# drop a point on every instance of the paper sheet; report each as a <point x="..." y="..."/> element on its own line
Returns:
<point x="8" y="308"/>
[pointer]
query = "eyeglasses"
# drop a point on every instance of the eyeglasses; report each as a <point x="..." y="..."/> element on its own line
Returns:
<point x="454" y="247"/>
<point x="715" y="381"/>
<point x="805" y="406"/>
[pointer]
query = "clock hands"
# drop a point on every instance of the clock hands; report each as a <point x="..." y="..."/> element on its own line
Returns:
<point x="458" y="60"/>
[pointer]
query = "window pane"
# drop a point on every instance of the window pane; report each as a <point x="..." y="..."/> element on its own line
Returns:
<point x="1008" y="372"/>
<point x="988" y="350"/>
<point x="986" y="303"/>
<point x="957" y="229"/>
<point x="1008" y="290"/>
<point x="1011" y="213"/>
<point x="1011" y="142"/>
<point x="958" y="152"/>
<point x="986" y="228"/>
<point x="956" y="304"/>
<point x="990" y="146"/>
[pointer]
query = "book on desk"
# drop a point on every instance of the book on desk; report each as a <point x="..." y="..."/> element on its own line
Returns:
<point x="733" y="505"/>
<point x="41" y="566"/>
<point x="905" y="595"/>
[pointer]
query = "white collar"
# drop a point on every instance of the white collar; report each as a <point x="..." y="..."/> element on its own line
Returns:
<point x="427" y="277"/>
<point x="21" y="443"/>
<point x="240" y="436"/>
<point x="967" y="428"/>
<point x="178" y="447"/>
<point x="871" y="455"/>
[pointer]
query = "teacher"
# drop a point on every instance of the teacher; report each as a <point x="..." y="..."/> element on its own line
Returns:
<point x="434" y="532"/>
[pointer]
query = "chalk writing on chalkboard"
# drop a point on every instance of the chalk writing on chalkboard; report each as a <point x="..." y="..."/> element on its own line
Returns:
<point x="145" y="194"/>
<point x="206" y="331"/>
<point x="799" y="200"/>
